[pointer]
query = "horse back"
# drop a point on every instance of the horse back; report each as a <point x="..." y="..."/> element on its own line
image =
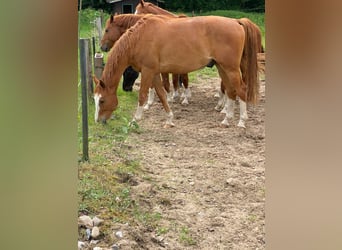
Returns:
<point x="177" y="41"/>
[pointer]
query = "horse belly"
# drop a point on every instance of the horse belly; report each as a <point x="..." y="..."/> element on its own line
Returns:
<point x="183" y="59"/>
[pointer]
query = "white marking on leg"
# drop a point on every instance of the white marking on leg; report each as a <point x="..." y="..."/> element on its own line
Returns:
<point x="169" y="97"/>
<point x="218" y="93"/>
<point x="97" y="106"/>
<point x="220" y="102"/>
<point x="150" y="98"/>
<point x="225" y="122"/>
<point x="175" y="95"/>
<point x="230" y="107"/>
<point x="243" y="114"/>
<point x="225" y="104"/>
<point x="169" y="119"/>
<point x="185" y="101"/>
<point x="139" y="113"/>
<point x="188" y="93"/>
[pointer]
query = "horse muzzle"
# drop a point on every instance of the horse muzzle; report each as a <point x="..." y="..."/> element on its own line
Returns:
<point x="104" y="48"/>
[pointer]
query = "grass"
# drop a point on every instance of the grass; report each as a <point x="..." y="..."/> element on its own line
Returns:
<point x="105" y="181"/>
<point x="185" y="236"/>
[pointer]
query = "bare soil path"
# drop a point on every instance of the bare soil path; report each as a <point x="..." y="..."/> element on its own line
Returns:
<point x="206" y="182"/>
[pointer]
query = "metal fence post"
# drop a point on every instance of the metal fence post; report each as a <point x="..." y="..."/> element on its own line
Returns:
<point x="84" y="53"/>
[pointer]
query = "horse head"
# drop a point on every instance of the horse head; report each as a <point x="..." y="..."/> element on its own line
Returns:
<point x="105" y="101"/>
<point x="111" y="34"/>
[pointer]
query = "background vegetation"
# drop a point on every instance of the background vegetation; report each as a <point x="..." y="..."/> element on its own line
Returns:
<point x="192" y="5"/>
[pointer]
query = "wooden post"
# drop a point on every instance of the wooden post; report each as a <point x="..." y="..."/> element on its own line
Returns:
<point x="98" y="26"/>
<point x="98" y="64"/>
<point x="84" y="52"/>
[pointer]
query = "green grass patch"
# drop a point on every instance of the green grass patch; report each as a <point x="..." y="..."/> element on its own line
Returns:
<point x="185" y="236"/>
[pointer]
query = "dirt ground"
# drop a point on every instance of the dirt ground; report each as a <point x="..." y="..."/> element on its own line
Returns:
<point x="206" y="182"/>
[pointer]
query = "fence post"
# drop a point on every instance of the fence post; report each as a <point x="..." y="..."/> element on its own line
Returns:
<point x="84" y="53"/>
<point x="98" y="64"/>
<point x="90" y="71"/>
<point x="99" y="27"/>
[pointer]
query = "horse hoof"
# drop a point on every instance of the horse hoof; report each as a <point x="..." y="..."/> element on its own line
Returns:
<point x="224" y="111"/>
<point x="185" y="102"/>
<point x="241" y="125"/>
<point x="146" y="107"/>
<point x="133" y="124"/>
<point x="224" y="125"/>
<point x="218" y="109"/>
<point x="169" y="125"/>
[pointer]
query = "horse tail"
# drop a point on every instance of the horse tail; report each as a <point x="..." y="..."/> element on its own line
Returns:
<point x="249" y="61"/>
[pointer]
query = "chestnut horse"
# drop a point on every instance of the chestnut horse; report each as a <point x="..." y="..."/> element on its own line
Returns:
<point x="152" y="47"/>
<point x="114" y="29"/>
<point x="227" y="104"/>
<point x="149" y="8"/>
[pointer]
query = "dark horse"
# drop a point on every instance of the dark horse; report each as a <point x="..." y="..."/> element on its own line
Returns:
<point x="129" y="77"/>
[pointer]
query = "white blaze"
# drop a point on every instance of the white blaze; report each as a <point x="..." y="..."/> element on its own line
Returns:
<point x="97" y="106"/>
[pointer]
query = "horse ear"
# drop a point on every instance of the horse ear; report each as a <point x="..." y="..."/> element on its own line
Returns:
<point x="142" y="3"/>
<point x="102" y="84"/>
<point x="97" y="81"/>
<point x="111" y="18"/>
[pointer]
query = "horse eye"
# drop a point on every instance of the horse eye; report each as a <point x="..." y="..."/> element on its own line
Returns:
<point x="102" y="101"/>
<point x="106" y="30"/>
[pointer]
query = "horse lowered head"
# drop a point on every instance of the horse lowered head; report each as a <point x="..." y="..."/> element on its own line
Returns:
<point x="105" y="101"/>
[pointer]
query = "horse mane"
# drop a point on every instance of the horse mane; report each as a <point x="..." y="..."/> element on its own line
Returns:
<point x="122" y="46"/>
<point x="159" y="10"/>
<point x="127" y="20"/>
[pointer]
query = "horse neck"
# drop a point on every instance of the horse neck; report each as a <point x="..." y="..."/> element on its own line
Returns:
<point x="128" y="20"/>
<point x="114" y="68"/>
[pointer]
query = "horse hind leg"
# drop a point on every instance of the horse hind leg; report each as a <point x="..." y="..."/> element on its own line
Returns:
<point x="161" y="92"/>
<point x="232" y="83"/>
<point x="187" y="93"/>
<point x="222" y="98"/>
<point x="166" y="84"/>
<point x="175" y="80"/>
<point x="240" y="88"/>
<point x="145" y="86"/>
<point x="243" y="114"/>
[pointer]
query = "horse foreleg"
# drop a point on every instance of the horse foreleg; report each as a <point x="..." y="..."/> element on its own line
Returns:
<point x="150" y="99"/>
<point x="162" y="96"/>
<point x="145" y="86"/>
